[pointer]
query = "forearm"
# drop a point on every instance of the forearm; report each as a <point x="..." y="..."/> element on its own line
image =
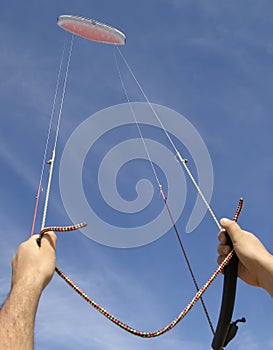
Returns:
<point x="267" y="273"/>
<point x="32" y="269"/>
<point x="17" y="318"/>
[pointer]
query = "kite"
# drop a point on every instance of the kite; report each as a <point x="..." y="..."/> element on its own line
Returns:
<point x="91" y="29"/>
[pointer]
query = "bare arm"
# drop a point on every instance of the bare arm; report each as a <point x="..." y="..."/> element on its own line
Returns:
<point x="32" y="269"/>
<point x="255" y="262"/>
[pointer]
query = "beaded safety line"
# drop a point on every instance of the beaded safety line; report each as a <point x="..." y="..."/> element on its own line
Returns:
<point x="59" y="229"/>
<point x="123" y="325"/>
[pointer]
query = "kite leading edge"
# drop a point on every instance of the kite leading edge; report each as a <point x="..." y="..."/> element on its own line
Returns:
<point x="91" y="29"/>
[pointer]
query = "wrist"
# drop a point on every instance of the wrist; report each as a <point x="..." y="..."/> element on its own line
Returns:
<point x="27" y="285"/>
<point x="266" y="280"/>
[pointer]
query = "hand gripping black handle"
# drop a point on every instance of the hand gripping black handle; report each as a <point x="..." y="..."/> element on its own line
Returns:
<point x="228" y="299"/>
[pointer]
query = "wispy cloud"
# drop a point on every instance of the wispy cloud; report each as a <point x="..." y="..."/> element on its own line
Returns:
<point x="248" y="340"/>
<point x="16" y="163"/>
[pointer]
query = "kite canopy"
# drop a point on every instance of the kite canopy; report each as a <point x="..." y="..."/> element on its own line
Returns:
<point x="91" y="29"/>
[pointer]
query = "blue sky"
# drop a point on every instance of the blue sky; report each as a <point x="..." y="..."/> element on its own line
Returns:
<point x="209" y="61"/>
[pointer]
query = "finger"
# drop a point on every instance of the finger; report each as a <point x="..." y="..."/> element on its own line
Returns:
<point x="223" y="250"/>
<point x="232" y="228"/>
<point x="222" y="236"/>
<point x="49" y="239"/>
<point x="34" y="238"/>
<point x="220" y="259"/>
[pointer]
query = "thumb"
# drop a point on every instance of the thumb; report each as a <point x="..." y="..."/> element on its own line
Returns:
<point x="232" y="228"/>
<point x="50" y="239"/>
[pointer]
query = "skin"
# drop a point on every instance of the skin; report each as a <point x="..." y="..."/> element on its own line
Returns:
<point x="255" y="262"/>
<point x="32" y="270"/>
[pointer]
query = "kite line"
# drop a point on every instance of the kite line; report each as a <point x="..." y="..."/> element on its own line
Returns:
<point x="181" y="159"/>
<point x="52" y="160"/>
<point x="47" y="142"/>
<point x="158" y="182"/>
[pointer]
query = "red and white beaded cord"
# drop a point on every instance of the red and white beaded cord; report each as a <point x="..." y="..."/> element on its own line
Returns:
<point x="121" y="324"/>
